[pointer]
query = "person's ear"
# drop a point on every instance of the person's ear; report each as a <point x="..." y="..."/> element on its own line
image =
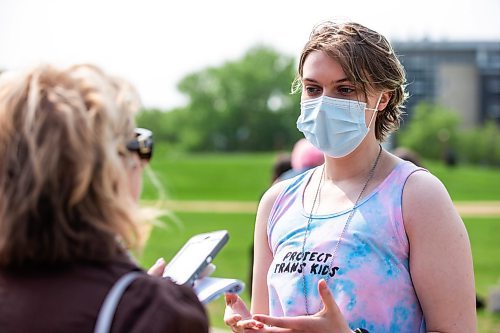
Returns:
<point x="384" y="100"/>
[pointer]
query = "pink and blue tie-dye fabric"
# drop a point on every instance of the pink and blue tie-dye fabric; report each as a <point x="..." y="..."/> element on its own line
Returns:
<point x="369" y="276"/>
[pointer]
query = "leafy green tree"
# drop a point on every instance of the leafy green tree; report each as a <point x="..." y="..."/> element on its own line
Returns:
<point x="431" y="131"/>
<point x="166" y="126"/>
<point x="481" y="145"/>
<point x="153" y="119"/>
<point x="243" y="105"/>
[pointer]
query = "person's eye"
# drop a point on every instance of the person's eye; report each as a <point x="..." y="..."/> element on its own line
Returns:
<point x="312" y="90"/>
<point x="346" y="91"/>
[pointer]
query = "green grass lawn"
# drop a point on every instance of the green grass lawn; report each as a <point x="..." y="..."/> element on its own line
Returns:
<point x="245" y="176"/>
<point x="468" y="182"/>
<point x="240" y="177"/>
<point x="485" y="242"/>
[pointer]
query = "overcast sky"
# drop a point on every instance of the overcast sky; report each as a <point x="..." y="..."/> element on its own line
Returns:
<point x="154" y="44"/>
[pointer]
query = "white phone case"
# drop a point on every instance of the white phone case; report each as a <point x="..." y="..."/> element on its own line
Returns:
<point x="198" y="252"/>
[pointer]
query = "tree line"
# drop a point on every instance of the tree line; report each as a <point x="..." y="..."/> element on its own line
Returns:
<point x="246" y="105"/>
<point x="243" y="105"/>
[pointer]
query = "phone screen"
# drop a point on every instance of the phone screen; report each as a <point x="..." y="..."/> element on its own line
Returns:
<point x="194" y="256"/>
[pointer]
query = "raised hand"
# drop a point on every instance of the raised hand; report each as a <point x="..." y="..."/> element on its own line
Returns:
<point x="328" y="319"/>
<point x="237" y="316"/>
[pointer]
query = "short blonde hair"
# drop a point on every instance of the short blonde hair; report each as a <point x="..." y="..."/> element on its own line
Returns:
<point x="368" y="60"/>
<point x="63" y="190"/>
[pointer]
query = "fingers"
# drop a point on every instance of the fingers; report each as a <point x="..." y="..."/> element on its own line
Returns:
<point x="231" y="319"/>
<point x="326" y="296"/>
<point x="207" y="271"/>
<point x="272" y="329"/>
<point x="282" y="322"/>
<point x="230" y="298"/>
<point x="237" y="324"/>
<point x="158" y="268"/>
<point x="331" y="310"/>
<point x="249" y="323"/>
<point x="235" y="305"/>
<point x="237" y="316"/>
<point x="329" y="317"/>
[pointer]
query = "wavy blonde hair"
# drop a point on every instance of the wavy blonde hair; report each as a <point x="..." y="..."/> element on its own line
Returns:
<point x="64" y="192"/>
<point x="368" y="60"/>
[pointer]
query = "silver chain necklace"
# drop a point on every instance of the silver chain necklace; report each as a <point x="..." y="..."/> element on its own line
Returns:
<point x="346" y="225"/>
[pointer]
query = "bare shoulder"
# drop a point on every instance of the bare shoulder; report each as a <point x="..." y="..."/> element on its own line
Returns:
<point x="437" y="236"/>
<point x="424" y="185"/>
<point x="426" y="202"/>
<point x="266" y="205"/>
<point x="270" y="196"/>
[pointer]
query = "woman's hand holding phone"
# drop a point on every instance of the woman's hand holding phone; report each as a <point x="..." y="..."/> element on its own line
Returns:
<point x="160" y="264"/>
<point x="192" y="259"/>
<point x="158" y="268"/>
<point x="192" y="265"/>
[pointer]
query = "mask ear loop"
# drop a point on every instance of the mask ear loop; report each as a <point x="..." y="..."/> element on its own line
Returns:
<point x="375" y="110"/>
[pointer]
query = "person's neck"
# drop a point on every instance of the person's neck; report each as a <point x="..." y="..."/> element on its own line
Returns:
<point x="355" y="166"/>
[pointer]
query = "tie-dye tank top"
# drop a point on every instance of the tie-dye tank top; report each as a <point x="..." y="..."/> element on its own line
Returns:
<point x="369" y="278"/>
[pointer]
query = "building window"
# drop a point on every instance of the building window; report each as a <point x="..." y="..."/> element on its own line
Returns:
<point x="495" y="60"/>
<point x="493" y="85"/>
<point x="494" y="111"/>
<point x="417" y="88"/>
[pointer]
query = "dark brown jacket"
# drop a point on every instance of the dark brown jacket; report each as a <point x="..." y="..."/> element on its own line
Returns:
<point x="68" y="300"/>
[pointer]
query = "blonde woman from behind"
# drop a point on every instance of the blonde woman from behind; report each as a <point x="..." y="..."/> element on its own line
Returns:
<point x="70" y="178"/>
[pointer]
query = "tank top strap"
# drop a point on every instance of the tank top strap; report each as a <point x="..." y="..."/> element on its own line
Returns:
<point x="288" y="196"/>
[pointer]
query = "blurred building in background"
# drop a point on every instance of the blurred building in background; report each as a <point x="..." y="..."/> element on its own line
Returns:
<point x="462" y="76"/>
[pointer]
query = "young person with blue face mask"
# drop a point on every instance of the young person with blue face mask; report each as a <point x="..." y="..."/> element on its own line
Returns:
<point x="365" y="242"/>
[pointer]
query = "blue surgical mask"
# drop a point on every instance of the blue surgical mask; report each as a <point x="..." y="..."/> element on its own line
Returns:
<point x="334" y="126"/>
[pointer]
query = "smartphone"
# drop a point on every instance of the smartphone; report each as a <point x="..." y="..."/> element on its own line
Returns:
<point x="196" y="254"/>
<point x="211" y="288"/>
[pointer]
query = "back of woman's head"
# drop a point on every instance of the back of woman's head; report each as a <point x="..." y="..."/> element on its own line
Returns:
<point x="368" y="60"/>
<point x="63" y="187"/>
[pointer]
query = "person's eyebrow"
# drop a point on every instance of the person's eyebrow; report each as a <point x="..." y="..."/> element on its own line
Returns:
<point x="341" y="81"/>
<point x="345" y="79"/>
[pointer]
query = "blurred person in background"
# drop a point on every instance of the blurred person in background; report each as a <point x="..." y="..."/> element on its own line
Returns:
<point x="304" y="157"/>
<point x="282" y="164"/>
<point x="408" y="154"/>
<point x="70" y="179"/>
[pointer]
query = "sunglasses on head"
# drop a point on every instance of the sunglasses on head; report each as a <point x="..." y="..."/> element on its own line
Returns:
<point x="142" y="144"/>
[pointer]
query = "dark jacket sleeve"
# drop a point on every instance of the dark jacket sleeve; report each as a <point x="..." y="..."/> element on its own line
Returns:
<point x="152" y="304"/>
